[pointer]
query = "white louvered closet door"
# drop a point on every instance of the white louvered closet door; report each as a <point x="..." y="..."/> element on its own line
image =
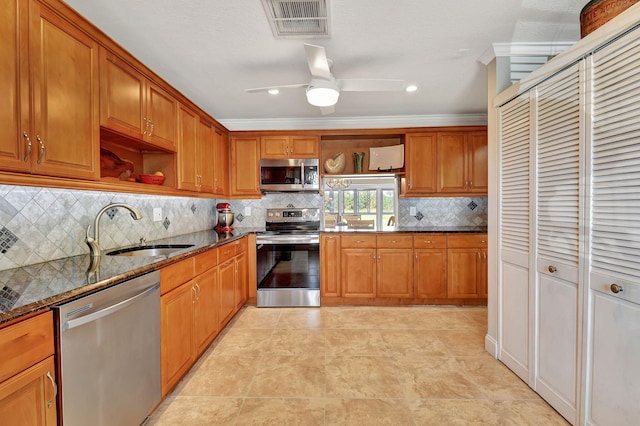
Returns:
<point x="514" y="231"/>
<point x="613" y="396"/>
<point x="558" y="135"/>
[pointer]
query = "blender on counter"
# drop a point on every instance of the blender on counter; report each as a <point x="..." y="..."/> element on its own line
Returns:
<point x="225" y="217"/>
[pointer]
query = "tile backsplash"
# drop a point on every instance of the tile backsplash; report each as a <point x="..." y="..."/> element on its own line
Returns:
<point x="42" y="224"/>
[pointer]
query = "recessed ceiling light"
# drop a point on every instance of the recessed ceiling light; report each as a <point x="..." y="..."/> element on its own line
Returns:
<point x="273" y="91"/>
<point x="411" y="88"/>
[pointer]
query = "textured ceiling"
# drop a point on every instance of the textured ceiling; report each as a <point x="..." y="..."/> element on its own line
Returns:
<point x="211" y="50"/>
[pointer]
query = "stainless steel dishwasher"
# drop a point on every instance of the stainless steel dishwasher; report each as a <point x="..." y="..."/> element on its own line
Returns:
<point x="109" y="349"/>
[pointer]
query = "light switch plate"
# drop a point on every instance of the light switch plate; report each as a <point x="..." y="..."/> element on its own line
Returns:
<point x="247" y="211"/>
<point x="412" y="211"/>
<point x="157" y="214"/>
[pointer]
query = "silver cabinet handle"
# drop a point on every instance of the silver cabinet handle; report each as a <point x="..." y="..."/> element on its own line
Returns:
<point x="29" y="145"/>
<point x="194" y="295"/>
<point x="552" y="269"/>
<point x="55" y="390"/>
<point x="152" y="126"/>
<point x="146" y="125"/>
<point x="41" y="154"/>
<point x="198" y="290"/>
<point x="615" y="288"/>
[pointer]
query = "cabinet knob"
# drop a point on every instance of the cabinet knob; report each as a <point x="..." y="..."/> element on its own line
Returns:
<point x="428" y="242"/>
<point x="552" y="269"/>
<point x="615" y="288"/>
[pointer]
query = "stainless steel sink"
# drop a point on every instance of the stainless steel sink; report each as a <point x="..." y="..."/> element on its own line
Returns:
<point x="151" y="250"/>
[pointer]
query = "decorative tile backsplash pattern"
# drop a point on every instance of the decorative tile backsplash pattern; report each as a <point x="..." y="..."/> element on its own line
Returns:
<point x="42" y="224"/>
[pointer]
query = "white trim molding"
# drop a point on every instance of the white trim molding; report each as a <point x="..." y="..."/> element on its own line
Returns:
<point x="524" y="49"/>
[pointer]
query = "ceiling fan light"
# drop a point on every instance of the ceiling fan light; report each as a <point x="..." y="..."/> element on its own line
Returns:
<point x="322" y="96"/>
<point x="273" y="91"/>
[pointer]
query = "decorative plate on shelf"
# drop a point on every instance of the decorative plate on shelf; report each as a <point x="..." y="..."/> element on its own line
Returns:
<point x="386" y="158"/>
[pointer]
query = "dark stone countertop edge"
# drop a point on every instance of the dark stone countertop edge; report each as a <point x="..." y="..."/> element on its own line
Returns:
<point x="412" y="230"/>
<point x="154" y="264"/>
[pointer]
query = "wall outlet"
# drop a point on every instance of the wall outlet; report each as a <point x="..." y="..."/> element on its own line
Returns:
<point x="157" y="214"/>
<point x="247" y="211"/>
<point x="412" y="211"/>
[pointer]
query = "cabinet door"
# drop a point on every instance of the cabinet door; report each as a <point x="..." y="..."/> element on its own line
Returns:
<point x="304" y="147"/>
<point x="64" y="64"/>
<point x="161" y="111"/>
<point x="221" y="163"/>
<point x="244" y="168"/>
<point x="227" y="307"/>
<point x="421" y="163"/>
<point x="29" y="398"/>
<point x="205" y="318"/>
<point x="13" y="80"/>
<point x="274" y="146"/>
<point x="394" y="273"/>
<point x="187" y="150"/>
<point x="358" y="272"/>
<point x="477" y="169"/>
<point x="463" y="272"/>
<point x="122" y="96"/>
<point x="206" y="154"/>
<point x="430" y="273"/>
<point x="452" y="162"/>
<point x="242" y="280"/>
<point x="176" y="334"/>
<point x="330" y="265"/>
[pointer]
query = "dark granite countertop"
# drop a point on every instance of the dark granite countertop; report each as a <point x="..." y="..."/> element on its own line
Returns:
<point x="34" y="287"/>
<point x="413" y="229"/>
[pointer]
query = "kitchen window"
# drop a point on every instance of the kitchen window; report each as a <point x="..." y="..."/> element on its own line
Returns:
<point x="360" y="202"/>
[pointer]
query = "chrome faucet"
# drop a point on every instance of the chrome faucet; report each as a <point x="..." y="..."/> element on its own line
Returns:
<point x="94" y="242"/>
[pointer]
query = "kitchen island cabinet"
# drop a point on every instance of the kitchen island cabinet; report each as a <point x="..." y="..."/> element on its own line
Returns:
<point x="48" y="66"/>
<point x="28" y="388"/>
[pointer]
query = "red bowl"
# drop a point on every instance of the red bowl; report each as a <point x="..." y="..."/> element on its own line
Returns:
<point x="152" y="179"/>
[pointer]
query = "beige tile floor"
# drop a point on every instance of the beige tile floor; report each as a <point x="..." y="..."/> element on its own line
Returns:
<point x="353" y="366"/>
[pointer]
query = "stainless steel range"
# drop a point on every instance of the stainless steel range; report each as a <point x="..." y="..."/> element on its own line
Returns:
<point x="288" y="258"/>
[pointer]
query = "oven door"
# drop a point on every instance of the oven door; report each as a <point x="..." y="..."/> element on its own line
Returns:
<point x="288" y="274"/>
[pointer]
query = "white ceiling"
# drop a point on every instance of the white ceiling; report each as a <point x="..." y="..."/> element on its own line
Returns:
<point x="211" y="50"/>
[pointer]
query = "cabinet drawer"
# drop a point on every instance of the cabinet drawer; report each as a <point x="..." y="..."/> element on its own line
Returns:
<point x="358" y="241"/>
<point x="174" y="275"/>
<point x="467" y="241"/>
<point x="25" y="344"/>
<point x="241" y="245"/>
<point x="394" y="241"/>
<point x="226" y="252"/>
<point x="205" y="261"/>
<point x="429" y="241"/>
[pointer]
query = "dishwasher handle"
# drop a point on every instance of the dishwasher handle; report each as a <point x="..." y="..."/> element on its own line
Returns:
<point x="76" y="322"/>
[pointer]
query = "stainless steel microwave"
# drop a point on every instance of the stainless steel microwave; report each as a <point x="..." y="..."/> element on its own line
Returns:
<point x="293" y="174"/>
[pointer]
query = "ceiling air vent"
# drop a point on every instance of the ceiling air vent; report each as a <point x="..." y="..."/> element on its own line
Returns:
<point x="298" y="18"/>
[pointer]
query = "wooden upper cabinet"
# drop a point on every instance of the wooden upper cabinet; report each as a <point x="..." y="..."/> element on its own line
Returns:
<point x="284" y="146"/>
<point x="221" y="163"/>
<point x="206" y="152"/>
<point x="421" y="158"/>
<point x="462" y="162"/>
<point x="195" y="152"/>
<point x="244" y="169"/>
<point x="48" y="67"/>
<point x="132" y="105"/>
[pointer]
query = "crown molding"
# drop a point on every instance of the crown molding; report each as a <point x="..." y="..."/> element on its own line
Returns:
<point x="382" y="122"/>
<point x="524" y="49"/>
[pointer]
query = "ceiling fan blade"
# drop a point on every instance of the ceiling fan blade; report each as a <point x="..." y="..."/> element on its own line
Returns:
<point x="266" y="89"/>
<point x="317" y="60"/>
<point x="328" y="110"/>
<point x="371" y="85"/>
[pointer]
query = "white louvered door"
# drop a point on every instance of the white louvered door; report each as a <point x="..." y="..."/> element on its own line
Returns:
<point x="558" y="134"/>
<point x="514" y="243"/>
<point x="613" y="397"/>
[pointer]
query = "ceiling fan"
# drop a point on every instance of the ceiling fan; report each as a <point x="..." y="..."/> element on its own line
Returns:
<point x="323" y="89"/>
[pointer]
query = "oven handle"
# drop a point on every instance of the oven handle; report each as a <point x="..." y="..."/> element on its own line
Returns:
<point x="302" y="177"/>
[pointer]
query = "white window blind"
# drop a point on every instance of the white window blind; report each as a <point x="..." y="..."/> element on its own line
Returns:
<point x="514" y="174"/>
<point x="615" y="162"/>
<point x="558" y="155"/>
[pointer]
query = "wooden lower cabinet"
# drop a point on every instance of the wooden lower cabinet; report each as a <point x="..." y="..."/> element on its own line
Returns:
<point x="205" y="315"/>
<point x="330" y="261"/>
<point x="358" y="272"/>
<point x="29" y="398"/>
<point x="27" y="372"/>
<point x="430" y="266"/>
<point x="242" y="280"/>
<point x="394" y="265"/>
<point x="467" y="266"/>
